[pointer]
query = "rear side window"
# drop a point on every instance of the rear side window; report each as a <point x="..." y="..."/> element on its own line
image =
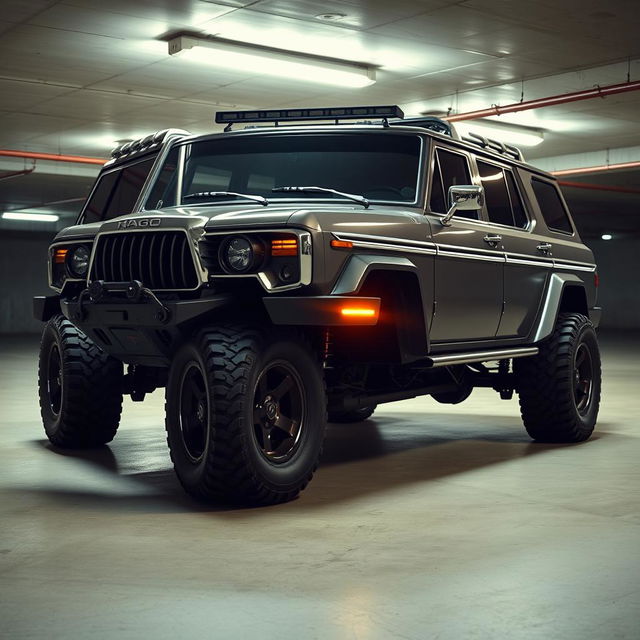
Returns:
<point x="449" y="169"/>
<point x="504" y="204"/>
<point x="117" y="191"/>
<point x="551" y="206"/>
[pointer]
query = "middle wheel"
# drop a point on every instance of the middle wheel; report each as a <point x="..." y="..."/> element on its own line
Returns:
<point x="246" y="414"/>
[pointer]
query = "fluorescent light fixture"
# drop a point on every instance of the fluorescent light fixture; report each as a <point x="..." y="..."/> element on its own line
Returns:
<point x="274" y="62"/>
<point x="30" y="217"/>
<point x="606" y="236"/>
<point x="510" y="133"/>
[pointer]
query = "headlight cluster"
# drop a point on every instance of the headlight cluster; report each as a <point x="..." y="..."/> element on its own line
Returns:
<point x="275" y="256"/>
<point x="69" y="262"/>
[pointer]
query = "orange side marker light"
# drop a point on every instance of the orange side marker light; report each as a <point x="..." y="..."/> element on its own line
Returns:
<point x="59" y="256"/>
<point x="341" y="244"/>
<point x="284" y="247"/>
<point x="357" y="312"/>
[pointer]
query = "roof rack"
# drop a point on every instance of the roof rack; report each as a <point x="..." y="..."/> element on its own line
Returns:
<point x="432" y="123"/>
<point x="143" y="145"/>
<point x="494" y="145"/>
<point x="297" y="115"/>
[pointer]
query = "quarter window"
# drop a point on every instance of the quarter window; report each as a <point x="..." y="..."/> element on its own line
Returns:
<point x="449" y="169"/>
<point x="551" y="206"/>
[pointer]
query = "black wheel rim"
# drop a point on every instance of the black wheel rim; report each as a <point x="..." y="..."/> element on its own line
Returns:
<point x="54" y="379"/>
<point x="582" y="378"/>
<point x="194" y="411"/>
<point x="278" y="414"/>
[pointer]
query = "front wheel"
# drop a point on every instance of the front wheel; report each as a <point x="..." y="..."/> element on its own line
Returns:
<point x="559" y="388"/>
<point x="80" y="387"/>
<point x="246" y="414"/>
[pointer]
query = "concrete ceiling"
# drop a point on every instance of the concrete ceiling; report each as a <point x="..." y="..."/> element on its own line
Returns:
<point x="77" y="75"/>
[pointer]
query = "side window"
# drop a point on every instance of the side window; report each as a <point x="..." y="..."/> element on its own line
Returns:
<point x="495" y="193"/>
<point x="449" y="169"/>
<point x="551" y="206"/>
<point x="163" y="193"/>
<point x="117" y="192"/>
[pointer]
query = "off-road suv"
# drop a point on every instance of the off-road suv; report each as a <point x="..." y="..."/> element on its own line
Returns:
<point x="276" y="276"/>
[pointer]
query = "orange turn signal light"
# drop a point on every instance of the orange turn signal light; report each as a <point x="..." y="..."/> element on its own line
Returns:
<point x="341" y="244"/>
<point x="358" y="312"/>
<point x="59" y="255"/>
<point x="284" y="247"/>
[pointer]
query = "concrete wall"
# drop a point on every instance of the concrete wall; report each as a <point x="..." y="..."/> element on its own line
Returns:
<point x="23" y="274"/>
<point x="619" y="293"/>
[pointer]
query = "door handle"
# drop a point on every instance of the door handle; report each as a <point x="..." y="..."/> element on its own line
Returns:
<point x="493" y="240"/>
<point x="545" y="248"/>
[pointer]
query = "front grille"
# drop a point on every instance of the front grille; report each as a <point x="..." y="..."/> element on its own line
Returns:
<point x="161" y="260"/>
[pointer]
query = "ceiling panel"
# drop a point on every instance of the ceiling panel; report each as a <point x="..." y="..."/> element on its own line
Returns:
<point x="17" y="95"/>
<point x="19" y="10"/>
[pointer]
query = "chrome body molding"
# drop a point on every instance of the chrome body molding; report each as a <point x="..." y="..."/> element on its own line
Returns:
<point x="365" y="241"/>
<point x="305" y="256"/>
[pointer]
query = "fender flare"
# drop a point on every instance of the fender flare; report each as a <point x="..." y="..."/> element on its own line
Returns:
<point x="551" y="303"/>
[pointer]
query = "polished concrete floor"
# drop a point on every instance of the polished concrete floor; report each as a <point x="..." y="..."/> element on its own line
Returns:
<point x="427" y="521"/>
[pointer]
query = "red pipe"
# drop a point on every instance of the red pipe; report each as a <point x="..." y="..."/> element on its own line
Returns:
<point x="32" y="155"/>
<point x="597" y="187"/>
<point x="598" y="169"/>
<point x="564" y="98"/>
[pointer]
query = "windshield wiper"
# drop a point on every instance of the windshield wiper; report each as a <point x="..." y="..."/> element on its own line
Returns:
<point x="212" y="195"/>
<point x="350" y="196"/>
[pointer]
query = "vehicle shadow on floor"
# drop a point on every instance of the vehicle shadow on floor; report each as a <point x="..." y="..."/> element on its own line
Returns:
<point x="360" y="459"/>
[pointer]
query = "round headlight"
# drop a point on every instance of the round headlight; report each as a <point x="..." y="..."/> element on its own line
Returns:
<point x="78" y="261"/>
<point x="239" y="254"/>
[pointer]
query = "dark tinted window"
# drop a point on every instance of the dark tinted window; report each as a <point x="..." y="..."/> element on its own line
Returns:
<point x="495" y="193"/>
<point x="450" y="169"/>
<point x="519" y="215"/>
<point x="381" y="166"/>
<point x="117" y="192"/>
<point x="163" y="193"/>
<point x="100" y="197"/>
<point x="551" y="206"/>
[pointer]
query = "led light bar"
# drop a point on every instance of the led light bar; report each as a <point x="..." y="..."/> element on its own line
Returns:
<point x="292" y="115"/>
<point x="30" y="217"/>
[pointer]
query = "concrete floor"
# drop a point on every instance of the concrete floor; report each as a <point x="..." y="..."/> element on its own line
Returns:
<point x="425" y="522"/>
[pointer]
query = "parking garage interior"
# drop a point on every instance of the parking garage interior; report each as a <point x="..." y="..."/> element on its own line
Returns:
<point x="423" y="521"/>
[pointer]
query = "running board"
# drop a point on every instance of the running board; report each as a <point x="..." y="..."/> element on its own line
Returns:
<point x="480" y="356"/>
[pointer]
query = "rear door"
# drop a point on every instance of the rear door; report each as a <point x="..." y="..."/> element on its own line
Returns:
<point x="468" y="271"/>
<point x="527" y="266"/>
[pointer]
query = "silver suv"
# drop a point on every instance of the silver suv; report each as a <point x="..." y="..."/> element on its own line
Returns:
<point x="278" y="275"/>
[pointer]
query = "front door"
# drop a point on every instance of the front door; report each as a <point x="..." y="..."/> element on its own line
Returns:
<point x="469" y="266"/>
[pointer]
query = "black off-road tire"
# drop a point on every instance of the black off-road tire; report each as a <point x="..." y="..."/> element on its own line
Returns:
<point x="559" y="389"/>
<point x="347" y="417"/>
<point x="222" y="442"/>
<point x="79" y="386"/>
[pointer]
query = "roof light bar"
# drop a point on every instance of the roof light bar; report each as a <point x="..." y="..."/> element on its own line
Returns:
<point x="291" y="115"/>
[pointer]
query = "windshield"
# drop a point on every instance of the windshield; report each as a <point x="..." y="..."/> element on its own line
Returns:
<point x="379" y="166"/>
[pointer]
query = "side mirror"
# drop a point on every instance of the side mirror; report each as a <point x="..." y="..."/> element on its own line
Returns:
<point x="463" y="197"/>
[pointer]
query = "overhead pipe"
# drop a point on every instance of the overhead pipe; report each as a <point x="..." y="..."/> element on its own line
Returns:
<point x="597" y="169"/>
<point x="34" y="155"/>
<point x="597" y="187"/>
<point x="551" y="101"/>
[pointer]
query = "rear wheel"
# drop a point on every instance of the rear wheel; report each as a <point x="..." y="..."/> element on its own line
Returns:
<point x="357" y="415"/>
<point x="559" y="389"/>
<point x="245" y="415"/>
<point x="80" y="387"/>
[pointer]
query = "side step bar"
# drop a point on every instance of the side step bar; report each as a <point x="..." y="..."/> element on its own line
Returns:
<point x="480" y="356"/>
